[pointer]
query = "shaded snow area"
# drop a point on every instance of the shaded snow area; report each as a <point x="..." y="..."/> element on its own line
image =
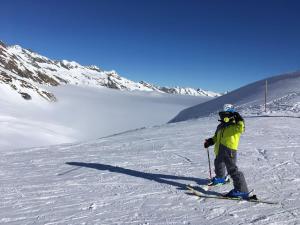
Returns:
<point x="82" y="113"/>
<point x="139" y="177"/>
<point x="283" y="99"/>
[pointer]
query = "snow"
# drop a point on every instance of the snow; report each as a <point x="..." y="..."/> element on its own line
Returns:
<point x="71" y="72"/>
<point x="138" y="177"/>
<point x="82" y="113"/>
<point x="123" y="167"/>
<point x="71" y="64"/>
<point x="283" y="99"/>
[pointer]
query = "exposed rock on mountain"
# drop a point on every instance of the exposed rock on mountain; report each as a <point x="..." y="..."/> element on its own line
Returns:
<point x="24" y="70"/>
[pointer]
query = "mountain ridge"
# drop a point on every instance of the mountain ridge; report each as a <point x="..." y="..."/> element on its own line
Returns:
<point x="27" y="71"/>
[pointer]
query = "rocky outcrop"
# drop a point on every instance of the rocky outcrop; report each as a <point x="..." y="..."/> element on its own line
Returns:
<point x="23" y="87"/>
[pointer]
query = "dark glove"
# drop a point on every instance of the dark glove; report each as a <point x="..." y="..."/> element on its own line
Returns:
<point x="237" y="117"/>
<point x="208" y="142"/>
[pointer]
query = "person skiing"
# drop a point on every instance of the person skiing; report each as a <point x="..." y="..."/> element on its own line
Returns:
<point x="226" y="141"/>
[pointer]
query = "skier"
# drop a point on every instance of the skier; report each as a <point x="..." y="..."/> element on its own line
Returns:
<point x="226" y="140"/>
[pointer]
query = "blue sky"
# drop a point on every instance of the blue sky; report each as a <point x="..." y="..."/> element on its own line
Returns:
<point x="217" y="45"/>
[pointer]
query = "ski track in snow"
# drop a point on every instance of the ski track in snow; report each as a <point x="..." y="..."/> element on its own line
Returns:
<point x="139" y="178"/>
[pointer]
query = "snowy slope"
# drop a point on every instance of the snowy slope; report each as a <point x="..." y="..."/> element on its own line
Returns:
<point x="139" y="177"/>
<point x="283" y="99"/>
<point x="82" y="113"/>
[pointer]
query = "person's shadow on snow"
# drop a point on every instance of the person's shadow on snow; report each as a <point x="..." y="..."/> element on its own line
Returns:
<point x="160" y="178"/>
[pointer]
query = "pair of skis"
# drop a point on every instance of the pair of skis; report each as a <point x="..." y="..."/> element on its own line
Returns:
<point x="252" y="198"/>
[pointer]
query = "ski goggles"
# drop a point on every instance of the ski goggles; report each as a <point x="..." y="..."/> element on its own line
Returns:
<point x="226" y="116"/>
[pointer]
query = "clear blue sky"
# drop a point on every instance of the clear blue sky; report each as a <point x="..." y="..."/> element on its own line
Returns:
<point x="214" y="44"/>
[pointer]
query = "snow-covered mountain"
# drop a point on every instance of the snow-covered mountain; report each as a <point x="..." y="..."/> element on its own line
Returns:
<point x="26" y="71"/>
<point x="181" y="91"/>
<point x="89" y="104"/>
<point x="283" y="98"/>
<point x="137" y="176"/>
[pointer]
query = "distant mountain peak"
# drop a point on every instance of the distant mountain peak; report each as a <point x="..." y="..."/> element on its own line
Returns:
<point x="93" y="67"/>
<point x="33" y="69"/>
<point x="70" y="64"/>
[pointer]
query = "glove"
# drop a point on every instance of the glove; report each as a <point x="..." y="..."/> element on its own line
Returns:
<point x="208" y="142"/>
<point x="237" y="117"/>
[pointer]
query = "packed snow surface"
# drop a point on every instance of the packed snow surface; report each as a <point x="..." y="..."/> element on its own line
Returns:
<point x="139" y="177"/>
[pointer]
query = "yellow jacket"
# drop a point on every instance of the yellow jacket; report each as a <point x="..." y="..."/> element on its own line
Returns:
<point x="228" y="135"/>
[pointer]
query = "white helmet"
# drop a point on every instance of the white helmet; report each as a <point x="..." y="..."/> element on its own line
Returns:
<point x="228" y="108"/>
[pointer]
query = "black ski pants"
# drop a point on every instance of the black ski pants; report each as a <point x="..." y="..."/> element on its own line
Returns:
<point x="227" y="158"/>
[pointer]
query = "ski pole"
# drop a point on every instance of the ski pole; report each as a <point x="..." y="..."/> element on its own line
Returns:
<point x="209" y="163"/>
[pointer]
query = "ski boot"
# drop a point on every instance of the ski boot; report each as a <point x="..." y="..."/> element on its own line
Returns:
<point x="218" y="181"/>
<point x="238" y="194"/>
